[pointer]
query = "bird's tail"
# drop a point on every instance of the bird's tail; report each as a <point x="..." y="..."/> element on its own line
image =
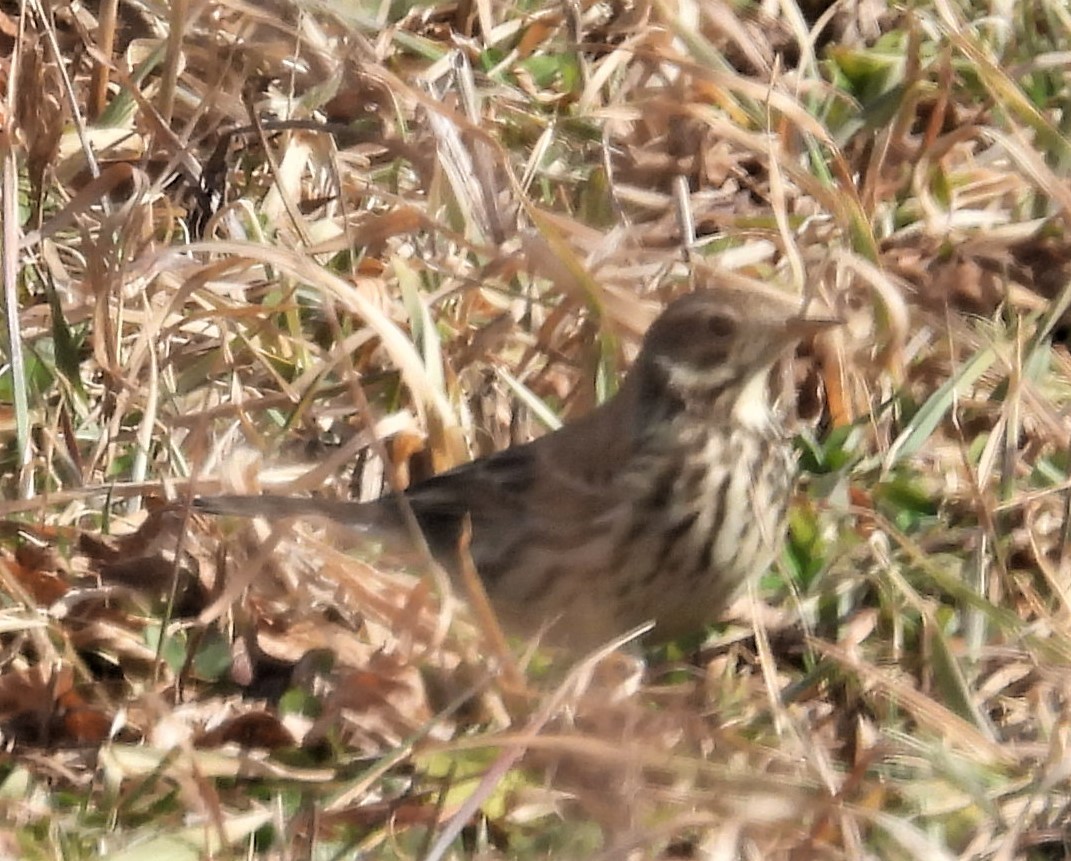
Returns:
<point x="354" y="514"/>
<point x="381" y="520"/>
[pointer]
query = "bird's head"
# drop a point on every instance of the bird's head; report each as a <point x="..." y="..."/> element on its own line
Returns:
<point x="717" y="345"/>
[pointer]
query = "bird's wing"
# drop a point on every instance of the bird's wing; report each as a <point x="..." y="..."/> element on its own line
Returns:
<point x="492" y="491"/>
<point x="548" y="493"/>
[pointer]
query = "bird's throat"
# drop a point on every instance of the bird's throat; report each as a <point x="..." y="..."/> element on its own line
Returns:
<point x="751" y="409"/>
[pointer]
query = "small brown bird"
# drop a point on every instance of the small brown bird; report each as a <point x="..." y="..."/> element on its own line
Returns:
<point x="655" y="506"/>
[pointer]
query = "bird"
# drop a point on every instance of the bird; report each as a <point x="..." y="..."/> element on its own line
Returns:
<point x="657" y="506"/>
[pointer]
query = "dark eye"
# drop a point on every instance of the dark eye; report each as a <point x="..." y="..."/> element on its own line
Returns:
<point x="720" y="326"/>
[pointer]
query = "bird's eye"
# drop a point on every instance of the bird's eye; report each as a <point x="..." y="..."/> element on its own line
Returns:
<point x="720" y="326"/>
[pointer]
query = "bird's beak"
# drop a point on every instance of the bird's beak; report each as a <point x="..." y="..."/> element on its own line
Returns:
<point x="806" y="327"/>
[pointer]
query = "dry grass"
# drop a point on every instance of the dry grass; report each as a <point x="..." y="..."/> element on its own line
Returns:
<point x="252" y="245"/>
